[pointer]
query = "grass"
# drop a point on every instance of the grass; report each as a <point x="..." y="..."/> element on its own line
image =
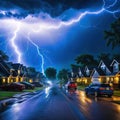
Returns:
<point x="81" y="87"/>
<point x="8" y="94"/>
<point x="117" y="93"/>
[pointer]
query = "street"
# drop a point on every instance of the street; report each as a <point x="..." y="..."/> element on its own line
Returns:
<point x="56" y="104"/>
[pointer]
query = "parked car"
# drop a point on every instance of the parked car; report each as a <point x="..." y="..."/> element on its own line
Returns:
<point x="37" y="84"/>
<point x="99" y="89"/>
<point x="71" y="86"/>
<point x="27" y="85"/>
<point x="13" y="86"/>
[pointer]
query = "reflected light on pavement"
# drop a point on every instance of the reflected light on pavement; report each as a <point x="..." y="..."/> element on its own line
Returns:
<point x="47" y="91"/>
<point x="83" y="98"/>
<point x="118" y="108"/>
<point x="16" y="107"/>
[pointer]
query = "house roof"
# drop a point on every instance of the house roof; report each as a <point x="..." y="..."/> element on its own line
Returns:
<point x="100" y="72"/>
<point x="4" y="69"/>
<point x="17" y="66"/>
<point x="115" y="60"/>
<point x="107" y="63"/>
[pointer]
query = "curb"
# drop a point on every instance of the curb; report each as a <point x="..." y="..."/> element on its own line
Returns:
<point x="8" y="101"/>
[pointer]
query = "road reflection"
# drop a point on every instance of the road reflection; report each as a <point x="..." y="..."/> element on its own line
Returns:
<point x="47" y="91"/>
<point x="83" y="98"/>
<point x="16" y="107"/>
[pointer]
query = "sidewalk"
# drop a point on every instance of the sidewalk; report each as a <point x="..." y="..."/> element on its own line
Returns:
<point x="17" y="97"/>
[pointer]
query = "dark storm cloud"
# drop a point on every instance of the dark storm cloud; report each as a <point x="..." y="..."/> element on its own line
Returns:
<point x="52" y="7"/>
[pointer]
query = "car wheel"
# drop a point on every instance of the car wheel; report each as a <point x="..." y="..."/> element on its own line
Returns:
<point x="86" y="92"/>
<point x="109" y="95"/>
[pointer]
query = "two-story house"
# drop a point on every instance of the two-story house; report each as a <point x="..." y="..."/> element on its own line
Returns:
<point x="116" y="72"/>
<point x="102" y="73"/>
<point x="4" y="72"/>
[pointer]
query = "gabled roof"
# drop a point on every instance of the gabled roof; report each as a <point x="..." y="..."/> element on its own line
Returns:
<point x="82" y="71"/>
<point x="100" y="72"/>
<point x="90" y="67"/>
<point x="17" y="66"/>
<point x="4" y="69"/>
<point x="115" y="61"/>
<point x="107" y="63"/>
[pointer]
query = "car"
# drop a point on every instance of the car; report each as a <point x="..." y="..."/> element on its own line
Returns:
<point x="71" y="85"/>
<point x="37" y="84"/>
<point x="99" y="89"/>
<point x="13" y="86"/>
<point x="27" y="85"/>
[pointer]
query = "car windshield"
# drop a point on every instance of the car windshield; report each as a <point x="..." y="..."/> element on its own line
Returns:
<point x="105" y="85"/>
<point x="94" y="85"/>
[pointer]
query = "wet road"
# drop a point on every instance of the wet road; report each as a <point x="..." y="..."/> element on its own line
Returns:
<point x="56" y="104"/>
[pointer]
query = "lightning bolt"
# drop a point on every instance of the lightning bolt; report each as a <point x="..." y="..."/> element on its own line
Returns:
<point x="58" y="25"/>
<point x="14" y="45"/>
<point x="38" y="51"/>
<point x="75" y="20"/>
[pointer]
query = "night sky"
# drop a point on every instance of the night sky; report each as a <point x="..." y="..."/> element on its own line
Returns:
<point x="44" y="33"/>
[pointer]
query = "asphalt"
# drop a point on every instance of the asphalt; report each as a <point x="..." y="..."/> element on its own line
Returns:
<point x="18" y="98"/>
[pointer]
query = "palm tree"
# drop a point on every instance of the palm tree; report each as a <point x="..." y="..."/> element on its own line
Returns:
<point x="103" y="56"/>
<point x="112" y="36"/>
<point x="85" y="59"/>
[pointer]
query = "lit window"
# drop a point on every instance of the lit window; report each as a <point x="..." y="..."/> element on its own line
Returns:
<point x="8" y="80"/>
<point x="116" y="80"/>
<point x="30" y="80"/>
<point x="3" y="80"/>
<point x="17" y="79"/>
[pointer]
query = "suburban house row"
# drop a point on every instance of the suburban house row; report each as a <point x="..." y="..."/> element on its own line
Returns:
<point x="16" y="72"/>
<point x="105" y="72"/>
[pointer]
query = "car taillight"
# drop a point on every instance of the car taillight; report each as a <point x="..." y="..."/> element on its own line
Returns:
<point x="73" y="85"/>
<point x="101" y="88"/>
<point x="111" y="88"/>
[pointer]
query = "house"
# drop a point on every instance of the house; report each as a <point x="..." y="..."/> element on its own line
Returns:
<point x="107" y="72"/>
<point x="98" y="76"/>
<point x="104" y="65"/>
<point x="116" y="72"/>
<point x="84" y="76"/>
<point x="103" y="73"/>
<point x="115" y="66"/>
<point x="4" y="72"/>
<point x="16" y="72"/>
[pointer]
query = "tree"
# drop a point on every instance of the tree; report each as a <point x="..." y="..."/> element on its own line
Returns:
<point x="86" y="59"/>
<point x="112" y="36"/>
<point x="116" y="56"/>
<point x="63" y="76"/>
<point x="75" y="68"/>
<point x="3" y="56"/>
<point x="104" y="56"/>
<point x="51" y="73"/>
<point x="31" y="70"/>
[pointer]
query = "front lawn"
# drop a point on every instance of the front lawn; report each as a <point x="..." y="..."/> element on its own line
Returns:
<point x="117" y="93"/>
<point x="8" y="94"/>
<point x="81" y="87"/>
